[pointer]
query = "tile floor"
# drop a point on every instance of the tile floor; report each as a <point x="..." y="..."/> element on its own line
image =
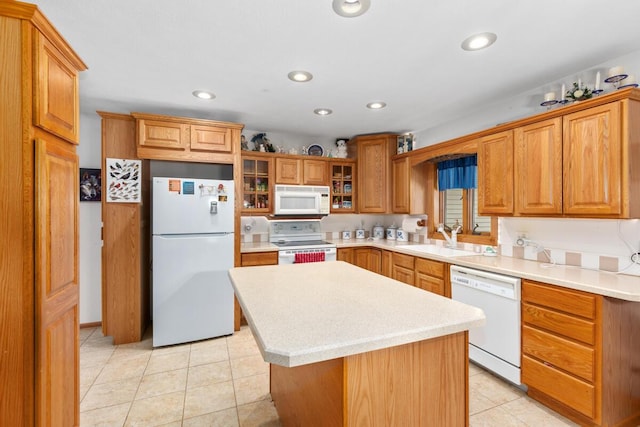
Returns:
<point x="225" y="382"/>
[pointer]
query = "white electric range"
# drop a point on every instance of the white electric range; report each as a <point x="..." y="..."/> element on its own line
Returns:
<point x="300" y="240"/>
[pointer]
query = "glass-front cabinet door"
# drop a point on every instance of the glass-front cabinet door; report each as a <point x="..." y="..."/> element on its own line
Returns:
<point x="343" y="190"/>
<point x="256" y="189"/>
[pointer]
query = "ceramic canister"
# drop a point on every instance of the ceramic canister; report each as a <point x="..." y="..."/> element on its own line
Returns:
<point x="392" y="233"/>
<point x="360" y="233"/>
<point x="402" y="235"/>
<point x="378" y="232"/>
<point x="346" y="235"/>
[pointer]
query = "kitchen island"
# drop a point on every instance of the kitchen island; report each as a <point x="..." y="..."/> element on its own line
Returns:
<point x="351" y="347"/>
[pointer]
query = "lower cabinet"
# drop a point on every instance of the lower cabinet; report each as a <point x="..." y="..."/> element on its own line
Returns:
<point x="580" y="354"/>
<point x="248" y="260"/>
<point x="345" y="254"/>
<point x="433" y="276"/>
<point x="403" y="268"/>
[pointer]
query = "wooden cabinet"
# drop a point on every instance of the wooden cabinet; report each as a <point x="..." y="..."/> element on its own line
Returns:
<point x="432" y="276"/>
<point x="295" y="171"/>
<point x="580" y="161"/>
<point x="409" y="186"/>
<point x="386" y="263"/>
<point x="315" y="172"/>
<point x="39" y="283"/>
<point x="593" y="161"/>
<point x="575" y="354"/>
<point x="185" y="139"/>
<point x="250" y="259"/>
<point x="259" y="258"/>
<point x="343" y="189"/>
<point x="56" y="96"/>
<point x="345" y="254"/>
<point x="403" y="268"/>
<point x="368" y="258"/>
<point x="256" y="189"/>
<point x="373" y="154"/>
<point x="125" y="242"/>
<point x="538" y="166"/>
<point x="288" y="171"/>
<point x="495" y="174"/>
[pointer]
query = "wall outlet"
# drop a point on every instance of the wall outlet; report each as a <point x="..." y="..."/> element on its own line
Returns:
<point x="522" y="238"/>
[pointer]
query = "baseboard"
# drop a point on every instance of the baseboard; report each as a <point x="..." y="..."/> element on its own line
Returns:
<point x="90" y="325"/>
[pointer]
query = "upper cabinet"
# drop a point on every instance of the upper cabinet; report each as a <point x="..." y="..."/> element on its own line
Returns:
<point x="538" y="161"/>
<point x="495" y="173"/>
<point x="373" y="153"/>
<point x="56" y="98"/>
<point x="315" y="172"/>
<point x="184" y="139"/>
<point x="288" y="171"/>
<point x="595" y="153"/>
<point x="295" y="171"/>
<point x="256" y="179"/>
<point x="343" y="191"/>
<point x="578" y="161"/>
<point x="409" y="186"/>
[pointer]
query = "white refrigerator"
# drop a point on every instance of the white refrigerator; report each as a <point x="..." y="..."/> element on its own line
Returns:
<point x="192" y="251"/>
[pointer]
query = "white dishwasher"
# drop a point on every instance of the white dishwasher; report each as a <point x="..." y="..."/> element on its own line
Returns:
<point x="496" y="345"/>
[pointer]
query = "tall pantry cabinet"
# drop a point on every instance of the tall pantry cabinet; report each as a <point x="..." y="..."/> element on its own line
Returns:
<point x="39" y="326"/>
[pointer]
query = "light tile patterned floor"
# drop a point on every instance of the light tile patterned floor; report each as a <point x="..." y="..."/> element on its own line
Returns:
<point x="225" y="382"/>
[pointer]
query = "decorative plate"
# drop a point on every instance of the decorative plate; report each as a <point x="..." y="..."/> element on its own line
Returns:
<point x="315" y="150"/>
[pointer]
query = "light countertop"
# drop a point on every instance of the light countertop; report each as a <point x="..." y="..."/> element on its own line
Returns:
<point x="620" y="286"/>
<point x="307" y="313"/>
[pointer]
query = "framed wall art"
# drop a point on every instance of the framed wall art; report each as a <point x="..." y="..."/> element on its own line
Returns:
<point x="123" y="178"/>
<point x="90" y="185"/>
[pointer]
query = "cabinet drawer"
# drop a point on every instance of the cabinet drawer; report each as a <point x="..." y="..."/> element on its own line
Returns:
<point x="560" y="386"/>
<point x="431" y="268"/>
<point x="572" y="357"/>
<point x="563" y="324"/>
<point x="402" y="260"/>
<point x="259" y="258"/>
<point x="566" y="300"/>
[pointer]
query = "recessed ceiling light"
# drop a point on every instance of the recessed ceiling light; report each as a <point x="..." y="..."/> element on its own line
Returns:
<point x="322" y="111"/>
<point x="376" y="105"/>
<point x="351" y="8"/>
<point x="479" y="41"/>
<point x="300" y="76"/>
<point x="203" y="94"/>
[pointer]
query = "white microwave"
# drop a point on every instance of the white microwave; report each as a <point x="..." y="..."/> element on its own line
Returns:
<point x="301" y="200"/>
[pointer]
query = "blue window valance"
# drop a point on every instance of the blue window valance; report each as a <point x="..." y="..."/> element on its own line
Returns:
<point x="458" y="173"/>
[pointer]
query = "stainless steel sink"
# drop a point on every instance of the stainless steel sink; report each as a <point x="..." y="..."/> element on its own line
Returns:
<point x="440" y="250"/>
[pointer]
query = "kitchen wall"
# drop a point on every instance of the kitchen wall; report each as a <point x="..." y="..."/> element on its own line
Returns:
<point x="89" y="152"/>
<point x="589" y="239"/>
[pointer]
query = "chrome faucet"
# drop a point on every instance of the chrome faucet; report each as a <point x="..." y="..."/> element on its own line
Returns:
<point x="452" y="241"/>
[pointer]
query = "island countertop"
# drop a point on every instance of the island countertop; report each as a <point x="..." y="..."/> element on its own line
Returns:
<point x="307" y="313"/>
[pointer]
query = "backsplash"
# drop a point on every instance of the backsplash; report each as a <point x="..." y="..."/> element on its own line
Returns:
<point x="587" y="243"/>
<point x="595" y="244"/>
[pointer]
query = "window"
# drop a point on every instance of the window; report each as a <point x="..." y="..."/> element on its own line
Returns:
<point x="457" y="201"/>
<point x="460" y="206"/>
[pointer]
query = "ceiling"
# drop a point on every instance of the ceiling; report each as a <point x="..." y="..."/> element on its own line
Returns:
<point x="150" y="55"/>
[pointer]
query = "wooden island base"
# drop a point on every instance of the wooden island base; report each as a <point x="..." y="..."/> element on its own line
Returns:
<point x="419" y="384"/>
